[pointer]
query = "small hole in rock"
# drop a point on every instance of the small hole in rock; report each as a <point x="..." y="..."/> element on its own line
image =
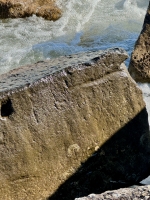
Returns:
<point x="95" y="59"/>
<point x="66" y="82"/>
<point x="6" y="108"/>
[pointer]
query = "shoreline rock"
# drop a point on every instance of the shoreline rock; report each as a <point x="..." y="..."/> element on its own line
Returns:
<point x="25" y="8"/>
<point x="70" y="124"/>
<point x="142" y="192"/>
<point x="139" y="66"/>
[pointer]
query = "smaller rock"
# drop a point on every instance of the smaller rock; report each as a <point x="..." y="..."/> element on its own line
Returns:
<point x="142" y="192"/>
<point x="139" y="66"/>
<point x="25" y="8"/>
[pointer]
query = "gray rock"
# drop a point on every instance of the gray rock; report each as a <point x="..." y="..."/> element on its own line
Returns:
<point x="136" y="193"/>
<point x="70" y="124"/>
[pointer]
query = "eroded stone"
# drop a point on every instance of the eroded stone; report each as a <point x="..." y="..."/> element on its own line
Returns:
<point x="136" y="193"/>
<point x="25" y="8"/>
<point x="69" y="120"/>
<point x="139" y="66"/>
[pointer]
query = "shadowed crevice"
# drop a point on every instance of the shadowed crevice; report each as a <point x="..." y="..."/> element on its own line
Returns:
<point x="6" y="108"/>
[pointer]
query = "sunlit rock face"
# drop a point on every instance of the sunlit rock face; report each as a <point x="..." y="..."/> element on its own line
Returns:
<point x="25" y="8"/>
<point x="139" y="66"/>
<point x="121" y="194"/>
<point x="70" y="124"/>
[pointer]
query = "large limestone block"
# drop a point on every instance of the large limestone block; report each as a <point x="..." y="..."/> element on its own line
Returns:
<point x="25" y="8"/>
<point x="79" y="113"/>
<point x="139" y="66"/>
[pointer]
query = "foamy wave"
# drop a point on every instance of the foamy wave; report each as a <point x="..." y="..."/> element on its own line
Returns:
<point x="134" y="8"/>
<point x="76" y="14"/>
<point x="146" y="94"/>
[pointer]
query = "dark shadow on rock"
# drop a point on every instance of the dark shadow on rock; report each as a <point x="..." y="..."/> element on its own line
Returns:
<point x="122" y="161"/>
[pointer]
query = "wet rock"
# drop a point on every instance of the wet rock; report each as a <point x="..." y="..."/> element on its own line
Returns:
<point x="70" y="124"/>
<point x="139" y="66"/>
<point x="25" y="8"/>
<point x="142" y="192"/>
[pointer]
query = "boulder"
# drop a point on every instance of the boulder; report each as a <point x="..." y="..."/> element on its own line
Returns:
<point x="139" y="66"/>
<point x="70" y="124"/>
<point x="142" y="192"/>
<point x="25" y="8"/>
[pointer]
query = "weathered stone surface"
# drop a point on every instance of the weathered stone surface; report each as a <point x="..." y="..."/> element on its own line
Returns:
<point x="25" y="8"/>
<point x="81" y="113"/>
<point x="139" y="66"/>
<point x="121" y="194"/>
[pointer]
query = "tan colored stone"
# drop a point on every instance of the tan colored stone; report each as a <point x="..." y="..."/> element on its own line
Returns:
<point x="57" y="115"/>
<point x="139" y="66"/>
<point x="25" y="8"/>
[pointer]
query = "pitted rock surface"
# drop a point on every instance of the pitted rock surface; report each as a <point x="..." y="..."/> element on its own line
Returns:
<point x="139" y="66"/>
<point x="25" y="8"/>
<point x="70" y="124"/>
<point x="137" y="193"/>
<point x="27" y="75"/>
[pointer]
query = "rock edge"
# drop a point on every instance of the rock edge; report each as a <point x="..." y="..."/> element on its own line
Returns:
<point x="142" y="192"/>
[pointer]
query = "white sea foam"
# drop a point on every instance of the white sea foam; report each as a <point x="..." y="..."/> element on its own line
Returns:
<point x="146" y="93"/>
<point x="85" y="25"/>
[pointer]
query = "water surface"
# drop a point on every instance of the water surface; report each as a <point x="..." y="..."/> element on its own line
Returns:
<point x="85" y="25"/>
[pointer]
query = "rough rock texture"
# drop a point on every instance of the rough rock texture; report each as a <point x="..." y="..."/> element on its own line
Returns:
<point x="121" y="194"/>
<point x="71" y="124"/>
<point x="25" y="8"/>
<point x="139" y="66"/>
